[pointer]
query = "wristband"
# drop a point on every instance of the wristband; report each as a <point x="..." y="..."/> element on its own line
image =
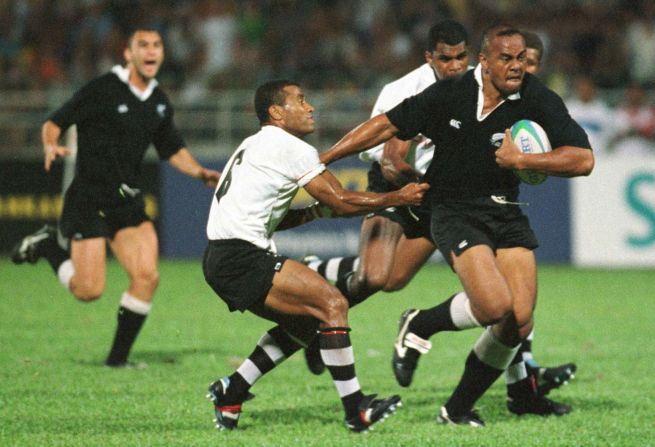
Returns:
<point x="325" y="211"/>
<point x="318" y="210"/>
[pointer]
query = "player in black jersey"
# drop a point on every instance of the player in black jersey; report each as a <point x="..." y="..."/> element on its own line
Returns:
<point x="475" y="218"/>
<point x="118" y="115"/>
<point x="389" y="258"/>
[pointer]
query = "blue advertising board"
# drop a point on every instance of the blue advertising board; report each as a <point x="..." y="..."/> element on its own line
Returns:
<point x="184" y="206"/>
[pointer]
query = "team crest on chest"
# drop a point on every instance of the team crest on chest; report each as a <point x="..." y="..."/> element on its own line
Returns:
<point x="497" y="139"/>
<point x="161" y="109"/>
<point x="455" y="123"/>
<point x="123" y="108"/>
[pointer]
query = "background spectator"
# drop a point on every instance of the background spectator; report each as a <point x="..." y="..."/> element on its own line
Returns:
<point x="592" y="113"/>
<point x="50" y="48"/>
<point x="636" y="121"/>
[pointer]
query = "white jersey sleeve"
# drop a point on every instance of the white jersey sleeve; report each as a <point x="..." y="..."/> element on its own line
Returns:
<point x="393" y="94"/>
<point x="258" y="184"/>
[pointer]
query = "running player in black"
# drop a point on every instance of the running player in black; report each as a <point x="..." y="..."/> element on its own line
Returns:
<point x="394" y="244"/>
<point x="118" y="115"/>
<point x="475" y="218"/>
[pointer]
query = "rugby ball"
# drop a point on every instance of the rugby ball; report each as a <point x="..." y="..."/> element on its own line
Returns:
<point x="530" y="138"/>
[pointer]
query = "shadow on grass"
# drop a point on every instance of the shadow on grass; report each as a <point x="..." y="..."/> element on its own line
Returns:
<point x="253" y="420"/>
<point x="500" y="413"/>
<point x="314" y="414"/>
<point x="158" y="357"/>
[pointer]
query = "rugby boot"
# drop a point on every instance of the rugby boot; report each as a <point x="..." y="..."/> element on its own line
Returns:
<point x="29" y="248"/>
<point x="471" y="418"/>
<point x="227" y="413"/>
<point x="537" y="404"/>
<point x="552" y="378"/>
<point x="372" y="411"/>
<point x="408" y="347"/>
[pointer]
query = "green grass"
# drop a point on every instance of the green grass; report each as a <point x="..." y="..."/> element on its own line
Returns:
<point x="55" y="391"/>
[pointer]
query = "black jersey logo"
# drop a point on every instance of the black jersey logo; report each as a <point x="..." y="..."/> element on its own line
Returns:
<point x="123" y="108"/>
<point x="496" y="139"/>
<point x="161" y="109"/>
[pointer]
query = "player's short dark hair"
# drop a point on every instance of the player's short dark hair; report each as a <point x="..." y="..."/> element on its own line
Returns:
<point x="497" y="30"/>
<point x="132" y="30"/>
<point x="269" y="94"/>
<point x="447" y="31"/>
<point x="532" y="40"/>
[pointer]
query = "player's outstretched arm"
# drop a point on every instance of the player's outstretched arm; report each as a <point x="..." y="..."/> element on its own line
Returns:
<point x="184" y="162"/>
<point x="50" y="133"/>
<point x="394" y="167"/>
<point x="330" y="193"/>
<point x="564" y="161"/>
<point x="300" y="216"/>
<point x="375" y="131"/>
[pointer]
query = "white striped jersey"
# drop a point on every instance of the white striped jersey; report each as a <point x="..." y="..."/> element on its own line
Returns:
<point x="392" y="94"/>
<point x="257" y="186"/>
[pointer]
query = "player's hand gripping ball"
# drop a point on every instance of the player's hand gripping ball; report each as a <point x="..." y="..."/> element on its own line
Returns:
<point x="530" y="138"/>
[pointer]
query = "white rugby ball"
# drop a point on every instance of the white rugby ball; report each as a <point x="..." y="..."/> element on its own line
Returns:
<point x="530" y="138"/>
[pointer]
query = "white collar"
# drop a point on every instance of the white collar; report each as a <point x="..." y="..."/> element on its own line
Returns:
<point x="429" y="74"/>
<point x="477" y="74"/>
<point x="124" y="75"/>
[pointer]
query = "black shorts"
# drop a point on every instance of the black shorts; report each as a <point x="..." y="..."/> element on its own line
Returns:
<point x="239" y="272"/>
<point x="414" y="221"/>
<point x="457" y="226"/>
<point x="89" y="213"/>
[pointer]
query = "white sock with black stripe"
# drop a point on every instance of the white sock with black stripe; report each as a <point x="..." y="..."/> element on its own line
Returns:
<point x="337" y="354"/>
<point x="266" y="356"/>
<point x="273" y="348"/>
<point x="333" y="268"/>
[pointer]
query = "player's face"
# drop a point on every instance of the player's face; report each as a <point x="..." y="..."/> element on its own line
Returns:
<point x="297" y="114"/>
<point x="532" y="60"/>
<point x="448" y="60"/>
<point x="145" y="53"/>
<point x="505" y="63"/>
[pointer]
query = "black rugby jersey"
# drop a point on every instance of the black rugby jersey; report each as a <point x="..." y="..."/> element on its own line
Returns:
<point x="464" y="163"/>
<point x="114" y="130"/>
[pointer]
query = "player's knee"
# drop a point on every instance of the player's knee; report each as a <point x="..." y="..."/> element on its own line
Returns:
<point x="523" y="317"/>
<point x="525" y="329"/>
<point x="492" y="311"/>
<point x="147" y="277"/>
<point x="335" y="308"/>
<point x="395" y="283"/>
<point x="87" y="290"/>
<point x="372" y="280"/>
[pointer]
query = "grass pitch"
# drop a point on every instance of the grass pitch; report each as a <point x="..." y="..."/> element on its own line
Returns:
<point x="55" y="390"/>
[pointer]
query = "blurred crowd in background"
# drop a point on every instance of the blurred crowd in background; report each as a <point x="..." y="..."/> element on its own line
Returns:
<point x="214" y="45"/>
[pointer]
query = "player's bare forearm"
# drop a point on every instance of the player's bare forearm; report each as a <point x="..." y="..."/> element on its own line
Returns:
<point x="50" y="133"/>
<point x="299" y="216"/>
<point x="329" y="192"/>
<point x="564" y="161"/>
<point x="394" y="167"/>
<point x="184" y="162"/>
<point x="368" y="134"/>
<point x="356" y="203"/>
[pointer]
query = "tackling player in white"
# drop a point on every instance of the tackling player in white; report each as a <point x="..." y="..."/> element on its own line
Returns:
<point x="242" y="266"/>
